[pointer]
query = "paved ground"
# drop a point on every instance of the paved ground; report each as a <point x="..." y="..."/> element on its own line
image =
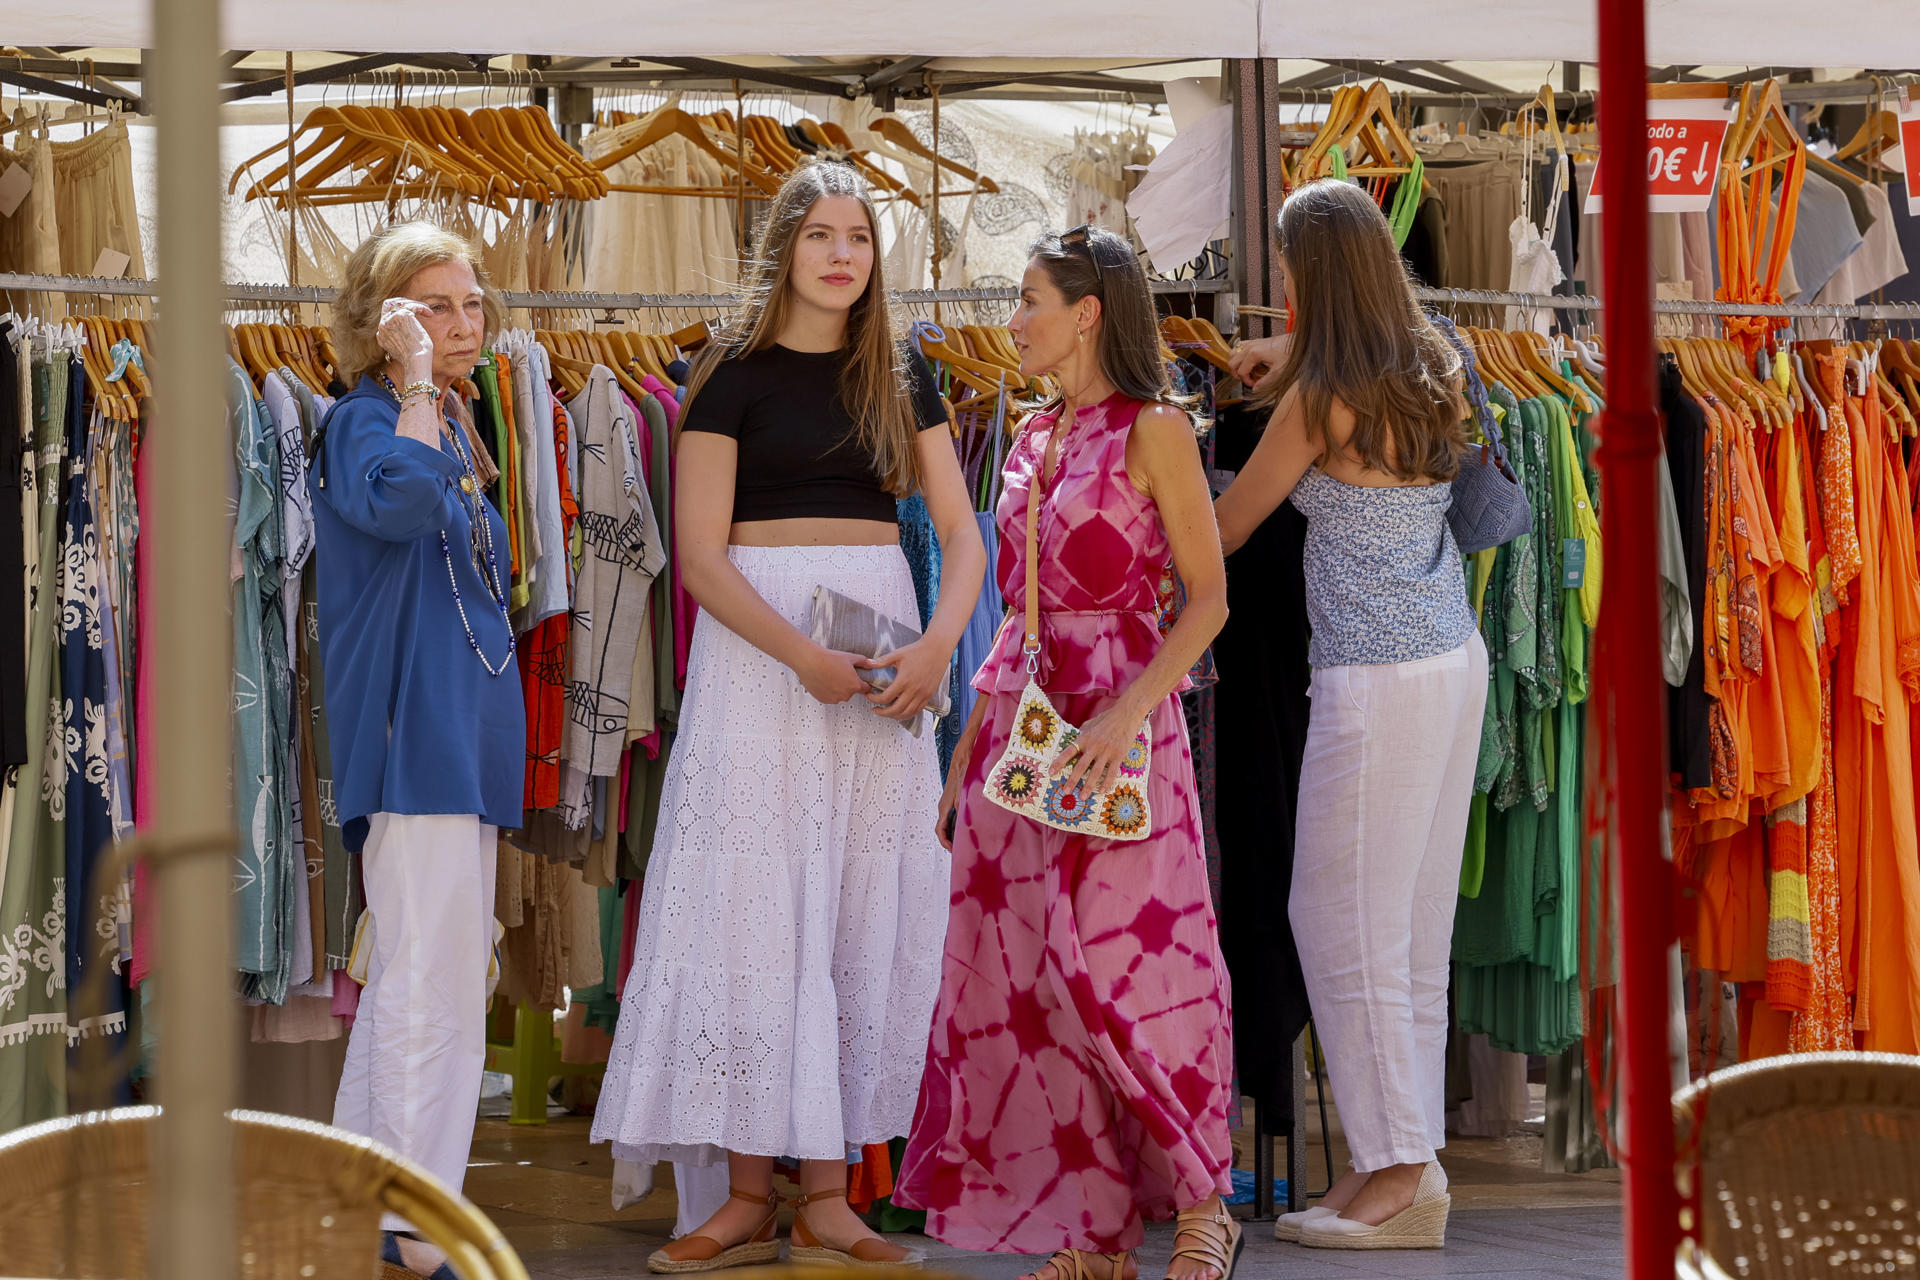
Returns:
<point x="549" y="1191"/>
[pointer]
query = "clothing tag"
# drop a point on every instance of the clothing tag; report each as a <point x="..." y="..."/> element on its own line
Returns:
<point x="111" y="263"/>
<point x="14" y="185"/>
<point x="1573" y="563"/>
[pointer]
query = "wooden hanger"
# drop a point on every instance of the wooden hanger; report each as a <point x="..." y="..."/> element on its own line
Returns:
<point x="1703" y="356"/>
<point x="671" y="121"/>
<point x="91" y="351"/>
<point x="1697" y="382"/>
<point x="356" y="137"/>
<point x="1497" y="360"/>
<point x="895" y="131"/>
<point x="1182" y="331"/>
<point x="1533" y="346"/>
<point x="770" y="137"/>
<point x="1373" y="122"/>
<point x="1339" y="111"/>
<point x="570" y="373"/>
<point x="979" y="374"/>
<point x="697" y="334"/>
<point x="1761" y="113"/>
<point x="1738" y="377"/>
<point x="835" y="138"/>
<point x="1879" y="132"/>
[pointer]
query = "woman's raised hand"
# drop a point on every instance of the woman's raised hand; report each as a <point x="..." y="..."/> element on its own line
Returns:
<point x="403" y="337"/>
<point x="1257" y="361"/>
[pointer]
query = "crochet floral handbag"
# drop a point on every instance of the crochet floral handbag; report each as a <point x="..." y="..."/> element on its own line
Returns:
<point x="1020" y="781"/>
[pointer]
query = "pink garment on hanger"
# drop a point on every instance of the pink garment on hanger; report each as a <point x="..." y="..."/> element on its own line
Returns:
<point x="669" y="403"/>
<point x="626" y="779"/>
<point x="346" y="998"/>
<point x="629" y="930"/>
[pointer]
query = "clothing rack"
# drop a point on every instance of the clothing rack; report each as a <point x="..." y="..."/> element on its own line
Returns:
<point x="314" y="294"/>
<point x="1791" y="93"/>
<point x="1678" y="306"/>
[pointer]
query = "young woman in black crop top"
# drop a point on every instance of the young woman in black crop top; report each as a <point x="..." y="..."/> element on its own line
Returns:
<point x="796" y="898"/>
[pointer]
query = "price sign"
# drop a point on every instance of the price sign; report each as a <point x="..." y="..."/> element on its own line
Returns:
<point x="1910" y="154"/>
<point x="1684" y="139"/>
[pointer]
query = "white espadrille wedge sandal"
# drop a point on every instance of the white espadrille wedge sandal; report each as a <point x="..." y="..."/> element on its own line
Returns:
<point x="1421" y="1225"/>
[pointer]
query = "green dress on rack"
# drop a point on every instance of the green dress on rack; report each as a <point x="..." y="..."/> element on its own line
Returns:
<point x="33" y="942"/>
<point x="1516" y="942"/>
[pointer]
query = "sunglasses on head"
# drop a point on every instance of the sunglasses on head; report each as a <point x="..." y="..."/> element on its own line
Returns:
<point x="1081" y="238"/>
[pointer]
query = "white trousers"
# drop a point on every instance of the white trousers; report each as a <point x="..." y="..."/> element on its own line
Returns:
<point x="419" y="1043"/>
<point x="1384" y="790"/>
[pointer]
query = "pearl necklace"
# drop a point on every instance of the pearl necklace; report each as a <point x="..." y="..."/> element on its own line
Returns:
<point x="483" y="533"/>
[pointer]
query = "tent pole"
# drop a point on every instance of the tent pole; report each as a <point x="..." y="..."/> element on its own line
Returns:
<point x="1628" y="648"/>
<point x="192" y="1227"/>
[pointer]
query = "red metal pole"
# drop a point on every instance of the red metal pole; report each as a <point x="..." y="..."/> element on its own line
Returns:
<point x="1627" y="646"/>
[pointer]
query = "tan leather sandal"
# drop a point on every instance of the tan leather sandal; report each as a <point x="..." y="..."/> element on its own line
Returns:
<point x="805" y="1248"/>
<point x="1218" y="1239"/>
<point x="1071" y="1264"/>
<point x="708" y="1254"/>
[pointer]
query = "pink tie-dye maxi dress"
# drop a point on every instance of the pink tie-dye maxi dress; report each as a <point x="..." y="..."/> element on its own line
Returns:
<point x="1079" y="1077"/>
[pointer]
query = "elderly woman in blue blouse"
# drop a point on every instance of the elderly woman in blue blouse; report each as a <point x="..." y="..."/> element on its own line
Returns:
<point x="423" y="695"/>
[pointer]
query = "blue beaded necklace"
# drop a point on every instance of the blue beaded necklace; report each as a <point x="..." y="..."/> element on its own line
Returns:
<point x="475" y="503"/>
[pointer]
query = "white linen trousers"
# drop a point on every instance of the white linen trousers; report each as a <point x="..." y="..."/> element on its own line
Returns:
<point x="1384" y="790"/>
<point x="419" y="1042"/>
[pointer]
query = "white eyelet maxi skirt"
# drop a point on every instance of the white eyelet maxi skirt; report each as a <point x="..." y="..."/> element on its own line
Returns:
<point x="795" y="904"/>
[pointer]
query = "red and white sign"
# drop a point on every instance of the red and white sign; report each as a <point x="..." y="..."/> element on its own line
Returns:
<point x="1684" y="139"/>
<point x="1910" y="154"/>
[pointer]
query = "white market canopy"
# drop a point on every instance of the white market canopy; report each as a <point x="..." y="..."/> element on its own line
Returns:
<point x="1885" y="33"/>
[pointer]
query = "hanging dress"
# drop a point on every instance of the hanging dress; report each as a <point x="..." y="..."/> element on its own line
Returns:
<point x="1080" y="1073"/>
<point x="33" y="897"/>
<point x="92" y="934"/>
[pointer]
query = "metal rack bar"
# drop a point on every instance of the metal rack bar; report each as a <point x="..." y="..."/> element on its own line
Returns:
<point x="312" y="294"/>
<point x="1679" y="306"/>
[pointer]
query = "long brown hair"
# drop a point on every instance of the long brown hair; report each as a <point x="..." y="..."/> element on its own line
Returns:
<point x="1131" y="355"/>
<point x="874" y="378"/>
<point x="1359" y="337"/>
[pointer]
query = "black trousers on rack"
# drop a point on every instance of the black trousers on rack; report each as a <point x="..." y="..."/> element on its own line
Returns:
<point x="1261" y="731"/>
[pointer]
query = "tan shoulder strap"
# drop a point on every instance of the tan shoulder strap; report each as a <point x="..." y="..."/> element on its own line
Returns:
<point x="1032" y="645"/>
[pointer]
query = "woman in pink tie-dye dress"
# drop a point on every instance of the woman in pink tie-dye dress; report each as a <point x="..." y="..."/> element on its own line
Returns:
<point x="1079" y="1078"/>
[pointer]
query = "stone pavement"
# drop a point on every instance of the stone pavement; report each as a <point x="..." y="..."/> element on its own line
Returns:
<point x="548" y="1191"/>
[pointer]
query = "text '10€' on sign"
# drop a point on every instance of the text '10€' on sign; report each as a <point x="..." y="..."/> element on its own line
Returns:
<point x="1684" y="141"/>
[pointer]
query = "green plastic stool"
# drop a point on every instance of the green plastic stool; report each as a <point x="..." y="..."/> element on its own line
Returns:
<point x="532" y="1059"/>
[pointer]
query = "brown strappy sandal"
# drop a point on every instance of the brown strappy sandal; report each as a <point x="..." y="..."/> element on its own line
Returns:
<point x="805" y="1248"/>
<point x="763" y="1246"/>
<point x="1219" y="1239"/>
<point x="1074" y="1266"/>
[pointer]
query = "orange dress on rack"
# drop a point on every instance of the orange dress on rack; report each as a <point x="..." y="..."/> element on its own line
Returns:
<point x="1728" y="851"/>
<point x="1797" y="669"/>
<point x="1873" y="748"/>
<point x="1893" y="931"/>
<point x="1827" y="1021"/>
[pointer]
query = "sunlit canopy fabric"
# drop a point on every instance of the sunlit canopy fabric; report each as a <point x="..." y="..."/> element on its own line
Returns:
<point x="669" y="28"/>
<point x="1789" y="33"/>
<point x="1883" y="33"/>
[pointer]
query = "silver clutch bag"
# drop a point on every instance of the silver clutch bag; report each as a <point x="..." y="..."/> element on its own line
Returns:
<point x="840" y="622"/>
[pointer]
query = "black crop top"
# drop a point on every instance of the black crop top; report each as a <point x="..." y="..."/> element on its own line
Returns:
<point x="798" y="457"/>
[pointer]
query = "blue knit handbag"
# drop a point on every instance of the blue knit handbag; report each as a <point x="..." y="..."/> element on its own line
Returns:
<point x="1490" y="505"/>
